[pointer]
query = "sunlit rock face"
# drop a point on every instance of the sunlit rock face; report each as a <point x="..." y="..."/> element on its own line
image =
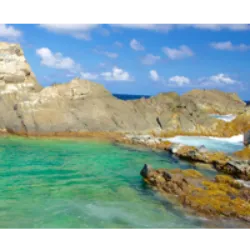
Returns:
<point x="216" y="101"/>
<point x="15" y="72"/>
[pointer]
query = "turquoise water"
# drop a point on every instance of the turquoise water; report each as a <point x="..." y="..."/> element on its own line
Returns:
<point x="81" y="184"/>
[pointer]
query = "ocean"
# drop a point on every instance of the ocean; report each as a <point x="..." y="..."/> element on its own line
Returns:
<point x="52" y="183"/>
<point x="130" y="97"/>
<point x="134" y="97"/>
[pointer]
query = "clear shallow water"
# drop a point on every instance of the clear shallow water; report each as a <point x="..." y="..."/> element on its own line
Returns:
<point x="228" y="145"/>
<point x="82" y="184"/>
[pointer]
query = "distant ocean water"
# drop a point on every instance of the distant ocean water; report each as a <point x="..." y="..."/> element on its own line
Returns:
<point x="126" y="97"/>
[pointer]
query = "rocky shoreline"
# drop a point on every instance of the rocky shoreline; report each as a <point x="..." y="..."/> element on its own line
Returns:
<point x="219" y="198"/>
<point x="233" y="164"/>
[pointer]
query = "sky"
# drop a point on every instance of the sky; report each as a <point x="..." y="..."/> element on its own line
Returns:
<point x="142" y="59"/>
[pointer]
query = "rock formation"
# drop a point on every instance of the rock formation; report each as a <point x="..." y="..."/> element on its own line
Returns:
<point x="83" y="106"/>
<point x="217" y="102"/>
<point x="247" y="138"/>
<point x="222" y="197"/>
<point x="15" y="72"/>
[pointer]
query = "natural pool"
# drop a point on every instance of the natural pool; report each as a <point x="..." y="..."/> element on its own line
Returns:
<point x="49" y="183"/>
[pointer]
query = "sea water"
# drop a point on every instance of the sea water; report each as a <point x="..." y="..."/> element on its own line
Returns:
<point x="81" y="184"/>
<point x="52" y="183"/>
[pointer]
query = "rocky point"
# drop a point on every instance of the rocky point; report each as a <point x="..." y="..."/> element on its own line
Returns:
<point x="218" y="198"/>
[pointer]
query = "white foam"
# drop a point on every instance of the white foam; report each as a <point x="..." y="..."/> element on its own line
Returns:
<point x="226" y="118"/>
<point x="225" y="144"/>
<point x="233" y="139"/>
<point x="244" y="183"/>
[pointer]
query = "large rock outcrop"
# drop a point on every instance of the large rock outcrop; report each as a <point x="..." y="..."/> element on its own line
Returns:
<point x="216" y="101"/>
<point x="85" y="106"/>
<point x="15" y="72"/>
<point x="81" y="105"/>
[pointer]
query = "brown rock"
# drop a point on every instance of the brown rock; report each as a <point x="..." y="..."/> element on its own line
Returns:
<point x="221" y="197"/>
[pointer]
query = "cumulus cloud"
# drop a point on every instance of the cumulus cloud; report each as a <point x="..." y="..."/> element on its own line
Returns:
<point x="9" y="32"/>
<point x="150" y="59"/>
<point x="152" y="27"/>
<point x="88" y="75"/>
<point x="218" y="27"/>
<point x="179" y="80"/>
<point x="217" y="80"/>
<point x="229" y="46"/>
<point x="222" y="78"/>
<point x="56" y="60"/>
<point x="182" y="52"/>
<point x="136" y="45"/>
<point x="117" y="74"/>
<point x="79" y="31"/>
<point x="153" y="75"/>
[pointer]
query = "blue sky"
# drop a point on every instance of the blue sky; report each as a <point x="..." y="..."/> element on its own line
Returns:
<point x="140" y="58"/>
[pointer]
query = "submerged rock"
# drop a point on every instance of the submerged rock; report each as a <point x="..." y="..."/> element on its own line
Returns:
<point x="222" y="197"/>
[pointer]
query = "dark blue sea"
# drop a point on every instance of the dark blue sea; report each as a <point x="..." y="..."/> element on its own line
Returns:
<point x="134" y="97"/>
<point x="126" y="97"/>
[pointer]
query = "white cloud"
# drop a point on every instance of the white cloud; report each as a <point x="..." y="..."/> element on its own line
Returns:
<point x="217" y="80"/>
<point x="136" y="45"/>
<point x="117" y="74"/>
<point x="166" y="23"/>
<point x="79" y="31"/>
<point x="56" y="60"/>
<point x="110" y="54"/>
<point x="118" y="44"/>
<point x="179" y="80"/>
<point x="9" y="32"/>
<point x="222" y="78"/>
<point x="183" y="52"/>
<point x="153" y="75"/>
<point x="150" y="59"/>
<point x="90" y="76"/>
<point x="229" y="46"/>
<point x="218" y="27"/>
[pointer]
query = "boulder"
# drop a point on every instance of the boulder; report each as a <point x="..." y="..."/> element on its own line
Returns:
<point x="247" y="138"/>
<point x="145" y="172"/>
